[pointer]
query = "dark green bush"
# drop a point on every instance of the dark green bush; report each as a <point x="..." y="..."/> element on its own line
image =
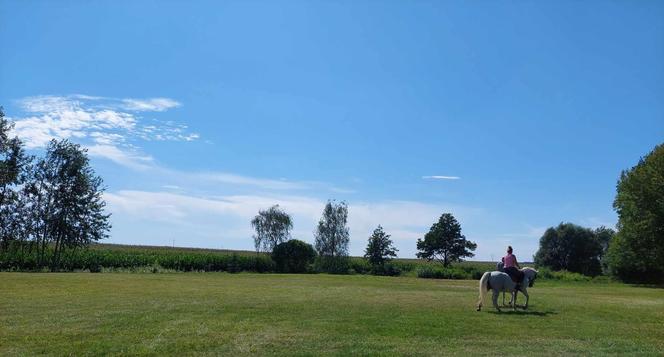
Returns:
<point x="387" y="269"/>
<point x="293" y="256"/>
<point x="334" y="265"/>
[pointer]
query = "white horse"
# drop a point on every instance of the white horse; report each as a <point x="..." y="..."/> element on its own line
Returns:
<point x="500" y="266"/>
<point x="498" y="282"/>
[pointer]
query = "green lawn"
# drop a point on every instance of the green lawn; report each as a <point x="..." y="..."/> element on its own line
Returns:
<point x="219" y="313"/>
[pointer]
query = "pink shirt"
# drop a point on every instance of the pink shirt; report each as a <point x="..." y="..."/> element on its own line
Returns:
<point x="510" y="260"/>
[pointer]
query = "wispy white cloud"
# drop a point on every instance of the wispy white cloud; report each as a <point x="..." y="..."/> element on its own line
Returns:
<point x="404" y="220"/>
<point x="268" y="184"/>
<point x="125" y="157"/>
<point x="108" y="127"/>
<point x="439" y="177"/>
<point x="150" y="105"/>
<point x="214" y="179"/>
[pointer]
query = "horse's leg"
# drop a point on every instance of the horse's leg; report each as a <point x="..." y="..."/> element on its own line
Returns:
<point x="525" y="292"/>
<point x="495" y="299"/>
<point x="514" y="294"/>
<point x="514" y="299"/>
<point x="503" y="298"/>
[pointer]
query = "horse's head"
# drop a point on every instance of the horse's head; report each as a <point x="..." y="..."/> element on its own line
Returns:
<point x="530" y="274"/>
<point x="500" y="266"/>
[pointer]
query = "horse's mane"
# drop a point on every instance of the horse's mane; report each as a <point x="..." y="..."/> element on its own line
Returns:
<point x="530" y="269"/>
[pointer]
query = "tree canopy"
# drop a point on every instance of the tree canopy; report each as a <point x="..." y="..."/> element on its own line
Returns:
<point x="379" y="248"/>
<point x="293" y="256"/>
<point x="13" y="168"/>
<point x="332" y="235"/>
<point x="573" y="248"/>
<point x="444" y="242"/>
<point x="637" y="252"/>
<point x="53" y="203"/>
<point x="272" y="227"/>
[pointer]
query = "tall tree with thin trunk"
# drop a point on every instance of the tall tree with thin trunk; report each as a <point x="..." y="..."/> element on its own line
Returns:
<point x="65" y="199"/>
<point x="332" y="235"/>
<point x="272" y="228"/>
<point x="13" y="164"/>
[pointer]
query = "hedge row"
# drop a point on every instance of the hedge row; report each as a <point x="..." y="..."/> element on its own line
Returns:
<point x="94" y="260"/>
<point x="185" y="260"/>
<point x="435" y="272"/>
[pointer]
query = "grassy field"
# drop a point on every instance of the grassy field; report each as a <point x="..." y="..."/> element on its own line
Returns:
<point x="220" y="313"/>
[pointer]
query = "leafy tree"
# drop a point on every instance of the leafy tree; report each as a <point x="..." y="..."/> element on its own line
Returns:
<point x="332" y="236"/>
<point x="444" y="242"/>
<point x="637" y="251"/>
<point x="573" y="248"/>
<point x="293" y="256"/>
<point x="13" y="173"/>
<point x="379" y="249"/>
<point x="272" y="227"/>
<point x="65" y="201"/>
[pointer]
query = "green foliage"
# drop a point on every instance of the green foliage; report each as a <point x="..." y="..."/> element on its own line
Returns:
<point x="334" y="265"/>
<point x="637" y="252"/>
<point x="332" y="235"/>
<point x="294" y="256"/>
<point x="379" y="251"/>
<point x="65" y="195"/>
<point x="444" y="242"/>
<point x="272" y="228"/>
<point x="437" y="272"/>
<point x="429" y="271"/>
<point x="13" y="168"/>
<point x="563" y="275"/>
<point x="573" y="248"/>
<point x="94" y="259"/>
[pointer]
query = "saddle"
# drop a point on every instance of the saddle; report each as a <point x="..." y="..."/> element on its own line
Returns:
<point x="516" y="275"/>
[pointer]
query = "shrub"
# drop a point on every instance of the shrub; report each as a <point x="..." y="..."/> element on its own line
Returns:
<point x="293" y="256"/>
<point x="434" y="272"/>
<point x="562" y="275"/>
<point x="333" y="265"/>
<point x="387" y="269"/>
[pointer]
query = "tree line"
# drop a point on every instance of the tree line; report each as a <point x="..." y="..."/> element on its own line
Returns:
<point x="444" y="242"/>
<point x="49" y="204"/>
<point x="633" y="253"/>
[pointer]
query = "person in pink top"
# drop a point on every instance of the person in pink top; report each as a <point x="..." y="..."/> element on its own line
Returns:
<point x="511" y="266"/>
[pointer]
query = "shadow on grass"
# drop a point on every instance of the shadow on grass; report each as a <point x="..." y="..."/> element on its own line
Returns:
<point x="510" y="312"/>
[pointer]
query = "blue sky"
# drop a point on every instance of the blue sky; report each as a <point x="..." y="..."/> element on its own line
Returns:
<point x="197" y="114"/>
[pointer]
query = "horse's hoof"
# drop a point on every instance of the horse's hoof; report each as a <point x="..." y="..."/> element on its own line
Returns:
<point x="479" y="309"/>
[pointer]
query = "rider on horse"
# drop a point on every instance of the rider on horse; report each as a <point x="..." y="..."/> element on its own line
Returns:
<point x="511" y="266"/>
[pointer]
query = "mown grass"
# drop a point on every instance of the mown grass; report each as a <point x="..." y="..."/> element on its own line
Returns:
<point x="237" y="314"/>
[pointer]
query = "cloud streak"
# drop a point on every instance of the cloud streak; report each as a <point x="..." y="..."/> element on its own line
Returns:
<point x="439" y="177"/>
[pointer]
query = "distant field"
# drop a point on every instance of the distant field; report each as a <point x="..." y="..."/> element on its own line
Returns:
<point x="157" y="248"/>
<point x="185" y="250"/>
<point x="220" y="313"/>
<point x="161" y="248"/>
<point x="136" y="258"/>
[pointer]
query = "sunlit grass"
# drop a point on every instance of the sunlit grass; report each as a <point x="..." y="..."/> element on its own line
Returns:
<point x="220" y="313"/>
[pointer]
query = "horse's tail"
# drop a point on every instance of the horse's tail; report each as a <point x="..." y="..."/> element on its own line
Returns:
<point x="484" y="287"/>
